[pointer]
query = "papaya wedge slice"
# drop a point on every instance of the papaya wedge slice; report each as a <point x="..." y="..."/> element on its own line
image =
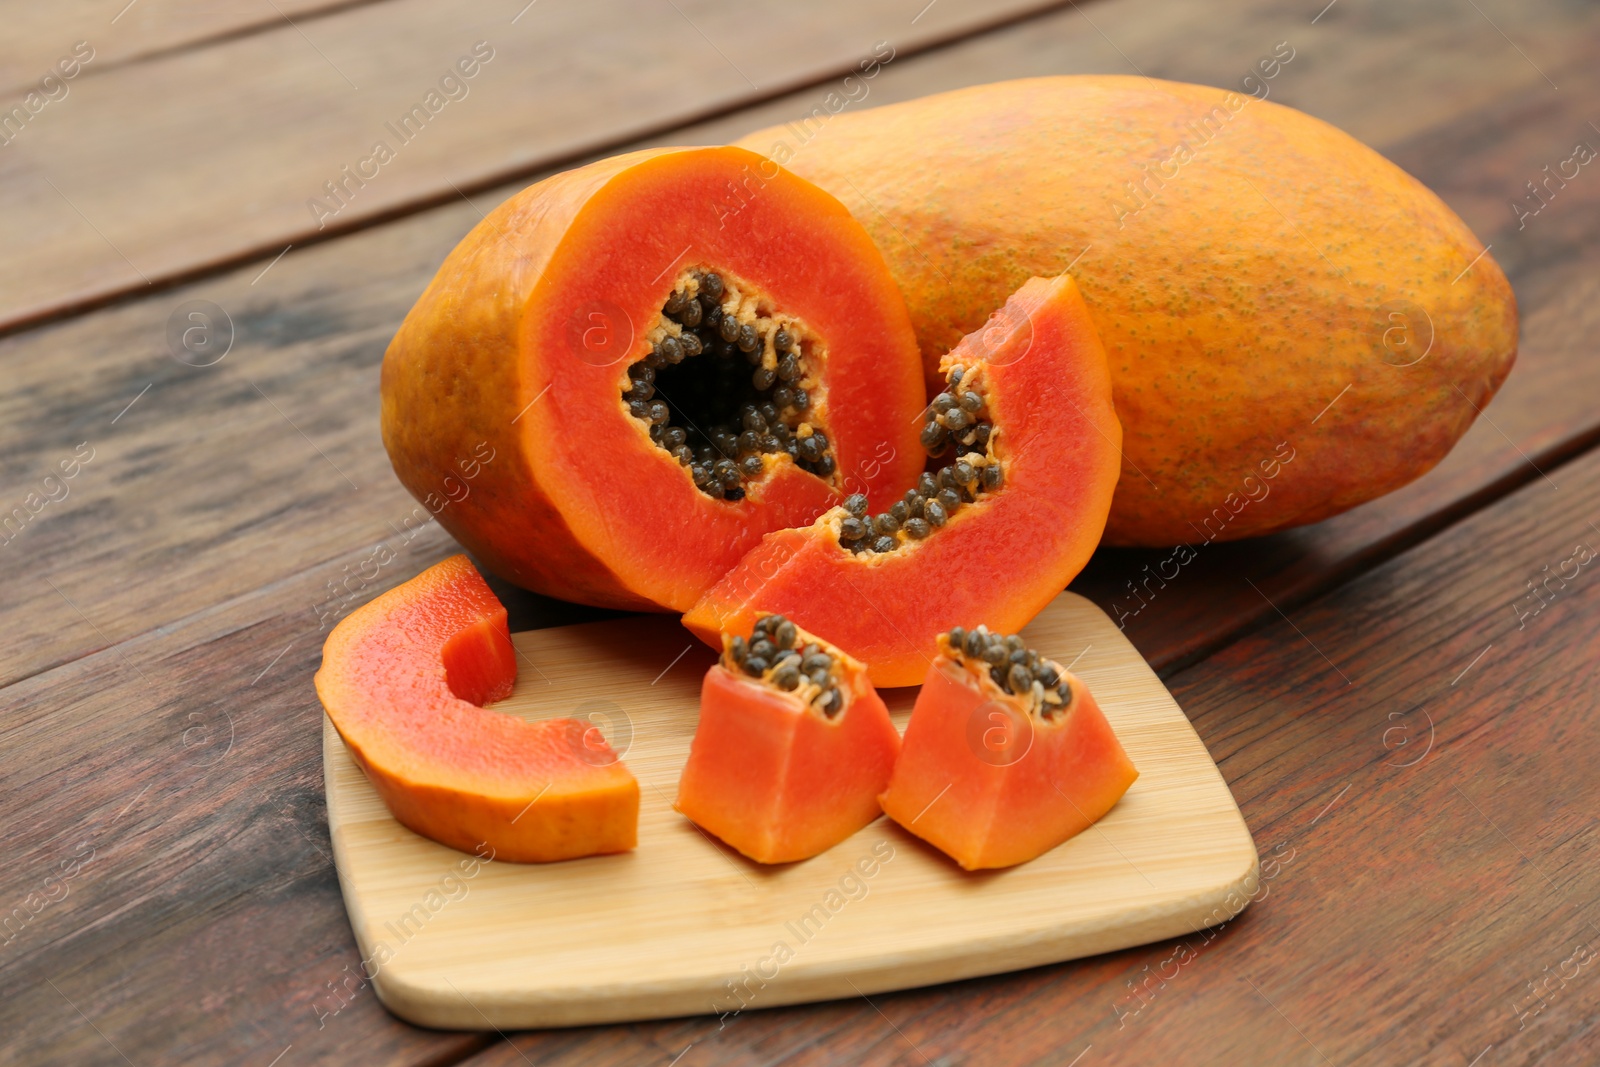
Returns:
<point x="404" y="679"/>
<point x="792" y="749"/>
<point x="1027" y="444"/>
<point x="998" y="766"/>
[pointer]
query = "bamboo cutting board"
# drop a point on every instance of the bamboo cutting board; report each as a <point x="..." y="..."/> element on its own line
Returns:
<point x="686" y="926"/>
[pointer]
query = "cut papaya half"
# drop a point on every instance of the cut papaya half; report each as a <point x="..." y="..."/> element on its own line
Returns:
<point x="1006" y="755"/>
<point x="628" y="373"/>
<point x="1027" y="444"/>
<point x="793" y="746"/>
<point x="404" y="679"/>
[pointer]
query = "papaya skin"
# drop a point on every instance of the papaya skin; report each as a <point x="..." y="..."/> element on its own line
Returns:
<point x="515" y="436"/>
<point x="1244" y="264"/>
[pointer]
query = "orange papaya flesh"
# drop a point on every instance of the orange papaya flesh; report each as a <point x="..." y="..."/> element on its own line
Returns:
<point x="1001" y="554"/>
<point x="784" y="774"/>
<point x="503" y="406"/>
<point x="994" y="778"/>
<point x="404" y="678"/>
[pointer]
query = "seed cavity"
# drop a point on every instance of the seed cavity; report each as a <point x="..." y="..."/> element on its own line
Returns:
<point x="776" y="655"/>
<point x="957" y="427"/>
<point x="1005" y="661"/>
<point x="728" y="382"/>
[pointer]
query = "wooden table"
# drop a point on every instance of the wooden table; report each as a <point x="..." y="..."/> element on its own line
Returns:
<point x="1411" y="737"/>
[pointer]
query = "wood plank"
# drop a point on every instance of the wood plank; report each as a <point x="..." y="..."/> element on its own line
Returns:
<point x="673" y="926"/>
<point x="37" y="35"/>
<point x="92" y="204"/>
<point x="291" y="411"/>
<point x="200" y="855"/>
<point x="200" y="922"/>
<point x="1414" y="753"/>
<point x="171" y="533"/>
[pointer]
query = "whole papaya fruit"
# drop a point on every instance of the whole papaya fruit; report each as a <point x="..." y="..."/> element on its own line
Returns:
<point x="1294" y="324"/>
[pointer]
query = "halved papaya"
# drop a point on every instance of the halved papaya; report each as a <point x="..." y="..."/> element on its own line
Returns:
<point x="1030" y="446"/>
<point x="629" y="372"/>
<point x="1006" y="755"/>
<point x="793" y="746"/>
<point x="404" y="678"/>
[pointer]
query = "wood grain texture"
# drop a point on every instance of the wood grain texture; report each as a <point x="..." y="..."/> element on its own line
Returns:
<point x="92" y="204"/>
<point x="292" y="410"/>
<point x="180" y="772"/>
<point x="1417" y="769"/>
<point x="200" y="542"/>
<point x="290" y="414"/>
<point x="39" y="34"/>
<point x="674" y="927"/>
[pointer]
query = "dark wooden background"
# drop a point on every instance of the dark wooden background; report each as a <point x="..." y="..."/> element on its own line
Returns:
<point x="1413" y="746"/>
